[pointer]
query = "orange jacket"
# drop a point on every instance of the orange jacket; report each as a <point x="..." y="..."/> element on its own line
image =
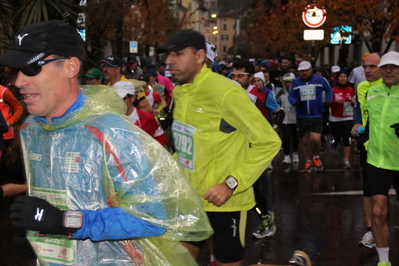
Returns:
<point x="11" y="110"/>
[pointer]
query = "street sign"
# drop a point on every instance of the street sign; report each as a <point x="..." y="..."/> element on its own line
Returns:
<point x="133" y="47"/>
<point x="313" y="16"/>
<point x="340" y="35"/>
<point x="313" y="35"/>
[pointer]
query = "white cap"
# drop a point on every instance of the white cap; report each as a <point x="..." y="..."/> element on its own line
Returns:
<point x="210" y="51"/>
<point x="335" y="69"/>
<point x="124" y="88"/>
<point x="390" y="58"/>
<point x="252" y="60"/>
<point x="260" y="75"/>
<point x="222" y="63"/>
<point x="304" y="65"/>
<point x="288" y="76"/>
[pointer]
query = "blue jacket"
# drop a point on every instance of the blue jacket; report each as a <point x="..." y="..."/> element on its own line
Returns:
<point x="311" y="94"/>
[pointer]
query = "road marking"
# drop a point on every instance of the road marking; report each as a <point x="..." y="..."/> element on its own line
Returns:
<point x="349" y="193"/>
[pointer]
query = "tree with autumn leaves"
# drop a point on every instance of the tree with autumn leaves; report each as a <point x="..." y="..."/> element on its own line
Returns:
<point x="117" y="22"/>
<point x="373" y="21"/>
<point x="276" y="27"/>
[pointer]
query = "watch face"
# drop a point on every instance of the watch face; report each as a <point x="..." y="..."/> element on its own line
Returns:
<point x="73" y="219"/>
<point x="231" y="182"/>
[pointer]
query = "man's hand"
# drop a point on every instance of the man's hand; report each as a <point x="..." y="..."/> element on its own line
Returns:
<point x="355" y="131"/>
<point x="396" y="127"/>
<point x="31" y="213"/>
<point x="298" y="104"/>
<point x="340" y="100"/>
<point x="218" y="194"/>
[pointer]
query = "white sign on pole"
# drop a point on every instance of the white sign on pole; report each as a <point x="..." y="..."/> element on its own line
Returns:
<point x="313" y="35"/>
<point x="133" y="47"/>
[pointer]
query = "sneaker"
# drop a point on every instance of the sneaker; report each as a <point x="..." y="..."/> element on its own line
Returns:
<point x="384" y="263"/>
<point x="266" y="227"/>
<point x="300" y="258"/>
<point x="368" y="240"/>
<point x="287" y="159"/>
<point x="295" y="157"/>
<point x="347" y="165"/>
<point x="318" y="166"/>
<point x="308" y="167"/>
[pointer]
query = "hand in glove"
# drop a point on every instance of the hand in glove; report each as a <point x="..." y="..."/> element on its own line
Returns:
<point x="298" y="104"/>
<point x="31" y="213"/>
<point x="396" y="127"/>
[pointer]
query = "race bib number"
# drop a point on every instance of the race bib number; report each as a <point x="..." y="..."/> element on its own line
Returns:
<point x="54" y="249"/>
<point x="286" y="104"/>
<point x="348" y="109"/>
<point x="183" y="137"/>
<point x="308" y="92"/>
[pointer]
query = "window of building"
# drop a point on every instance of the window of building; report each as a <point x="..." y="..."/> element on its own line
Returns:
<point x="225" y="37"/>
<point x="224" y="49"/>
<point x="224" y="26"/>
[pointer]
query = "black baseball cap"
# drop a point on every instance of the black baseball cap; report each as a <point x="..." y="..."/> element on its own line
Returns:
<point x="113" y="60"/>
<point x="183" y="39"/>
<point x="39" y="40"/>
<point x="131" y="59"/>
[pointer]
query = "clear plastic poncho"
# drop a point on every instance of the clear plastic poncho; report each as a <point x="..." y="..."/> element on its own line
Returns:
<point x="95" y="159"/>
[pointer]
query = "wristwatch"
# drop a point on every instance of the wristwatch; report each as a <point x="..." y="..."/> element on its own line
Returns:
<point x="73" y="219"/>
<point x="231" y="182"/>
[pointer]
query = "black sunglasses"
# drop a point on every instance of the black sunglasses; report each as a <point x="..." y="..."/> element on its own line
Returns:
<point x="36" y="68"/>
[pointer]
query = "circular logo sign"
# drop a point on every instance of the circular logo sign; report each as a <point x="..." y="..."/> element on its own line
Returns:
<point x="313" y="16"/>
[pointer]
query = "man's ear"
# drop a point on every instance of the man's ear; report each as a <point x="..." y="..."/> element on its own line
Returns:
<point x="73" y="67"/>
<point x="200" y="56"/>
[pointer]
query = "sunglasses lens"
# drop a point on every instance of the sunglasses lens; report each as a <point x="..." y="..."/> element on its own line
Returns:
<point x="31" y="70"/>
<point x="238" y="75"/>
